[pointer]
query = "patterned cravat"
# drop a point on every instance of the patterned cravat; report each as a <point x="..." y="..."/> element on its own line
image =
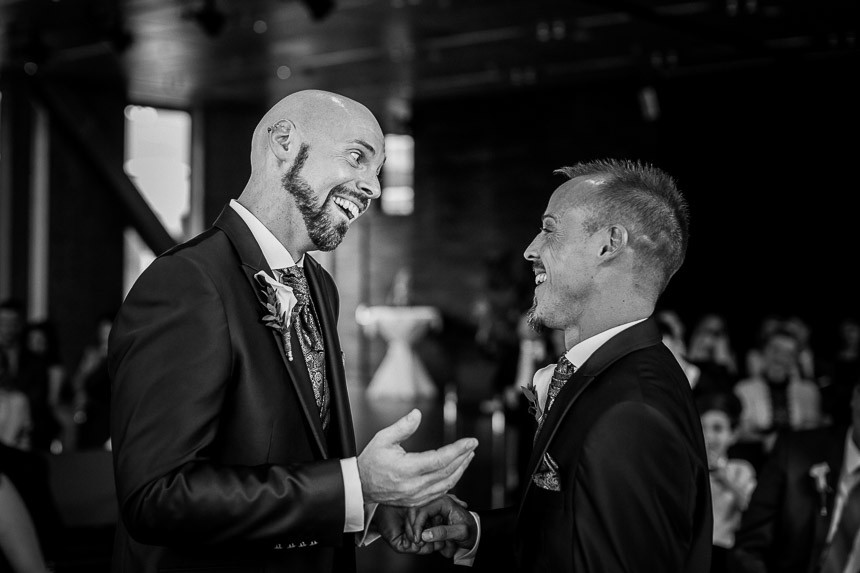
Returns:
<point x="564" y="369"/>
<point x="836" y="555"/>
<point x="309" y="335"/>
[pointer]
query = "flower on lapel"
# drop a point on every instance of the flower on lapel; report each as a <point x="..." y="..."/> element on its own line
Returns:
<point x="279" y="303"/>
<point x="530" y="392"/>
<point x="819" y="473"/>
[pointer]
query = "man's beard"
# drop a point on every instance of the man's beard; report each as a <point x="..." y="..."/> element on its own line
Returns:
<point x="533" y="319"/>
<point x="325" y="233"/>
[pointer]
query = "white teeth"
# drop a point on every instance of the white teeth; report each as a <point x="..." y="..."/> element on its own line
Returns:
<point x="540" y="278"/>
<point x="348" y="205"/>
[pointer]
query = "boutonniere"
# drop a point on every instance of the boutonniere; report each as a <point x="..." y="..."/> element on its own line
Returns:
<point x="819" y="473"/>
<point x="530" y="392"/>
<point x="279" y="304"/>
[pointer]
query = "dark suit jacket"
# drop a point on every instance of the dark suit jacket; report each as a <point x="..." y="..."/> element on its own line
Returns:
<point x="783" y="529"/>
<point x="635" y="494"/>
<point x="220" y="459"/>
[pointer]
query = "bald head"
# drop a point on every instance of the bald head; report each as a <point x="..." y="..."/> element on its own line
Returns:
<point x="315" y="163"/>
<point x="313" y="114"/>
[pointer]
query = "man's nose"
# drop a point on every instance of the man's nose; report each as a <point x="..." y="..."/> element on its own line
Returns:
<point x="531" y="252"/>
<point x="370" y="186"/>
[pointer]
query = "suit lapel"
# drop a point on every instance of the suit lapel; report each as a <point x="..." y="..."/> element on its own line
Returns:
<point x="634" y="338"/>
<point x="335" y="375"/>
<point x="253" y="261"/>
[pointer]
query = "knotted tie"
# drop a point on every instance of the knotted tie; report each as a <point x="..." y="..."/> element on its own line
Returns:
<point x="546" y="476"/>
<point x="310" y="337"/>
<point x="842" y="543"/>
<point x="564" y="369"/>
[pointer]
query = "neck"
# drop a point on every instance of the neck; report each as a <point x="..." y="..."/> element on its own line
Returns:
<point x="280" y="215"/>
<point x="603" y="317"/>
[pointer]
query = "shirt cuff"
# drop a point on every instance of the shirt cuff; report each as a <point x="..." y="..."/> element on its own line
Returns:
<point x="353" y="498"/>
<point x="465" y="556"/>
<point x="369" y="535"/>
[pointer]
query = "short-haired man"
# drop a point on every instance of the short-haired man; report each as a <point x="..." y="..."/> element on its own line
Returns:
<point x="618" y="478"/>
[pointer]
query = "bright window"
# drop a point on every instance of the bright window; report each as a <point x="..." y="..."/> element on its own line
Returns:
<point x="157" y="160"/>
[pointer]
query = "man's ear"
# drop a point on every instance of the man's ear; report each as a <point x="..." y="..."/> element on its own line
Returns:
<point x="281" y="139"/>
<point x="614" y="239"/>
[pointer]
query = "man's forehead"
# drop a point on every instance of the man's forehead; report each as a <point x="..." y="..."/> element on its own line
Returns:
<point x="573" y="193"/>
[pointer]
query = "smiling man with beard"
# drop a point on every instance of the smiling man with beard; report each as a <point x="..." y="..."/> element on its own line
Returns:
<point x="618" y="477"/>
<point x="231" y="429"/>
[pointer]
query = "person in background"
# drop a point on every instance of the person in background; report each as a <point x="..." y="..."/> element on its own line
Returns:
<point x="91" y="383"/>
<point x="754" y="359"/>
<point x="710" y="349"/>
<point x="42" y="341"/>
<point x="805" y="356"/>
<point x="778" y="399"/>
<point x="804" y="513"/>
<point x="26" y="373"/>
<point x="703" y="379"/>
<point x="841" y="372"/>
<point x="732" y="480"/>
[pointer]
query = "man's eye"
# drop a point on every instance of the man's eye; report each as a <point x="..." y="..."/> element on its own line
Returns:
<point x="355" y="156"/>
<point x="544" y="229"/>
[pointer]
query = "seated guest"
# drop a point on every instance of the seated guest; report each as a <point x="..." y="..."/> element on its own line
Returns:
<point x="91" y="383"/>
<point x="702" y="379"/>
<point x="804" y="513"/>
<point x="710" y="346"/>
<point x="778" y="398"/>
<point x="26" y="373"/>
<point x="732" y="480"/>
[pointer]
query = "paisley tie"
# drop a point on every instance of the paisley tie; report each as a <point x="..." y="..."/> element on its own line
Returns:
<point x="309" y="335"/>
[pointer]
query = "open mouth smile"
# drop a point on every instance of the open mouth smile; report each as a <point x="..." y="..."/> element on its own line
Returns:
<point x="540" y="278"/>
<point x="350" y="209"/>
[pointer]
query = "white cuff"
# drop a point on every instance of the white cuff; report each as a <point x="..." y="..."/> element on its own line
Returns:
<point x="465" y="556"/>
<point x="354" y="500"/>
<point x="368" y="536"/>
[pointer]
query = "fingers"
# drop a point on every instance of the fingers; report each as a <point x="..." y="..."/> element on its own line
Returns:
<point x="458" y="500"/>
<point x="437" y="460"/>
<point x="457" y="533"/>
<point x="435" y="485"/>
<point x="401" y="429"/>
<point x="417" y="517"/>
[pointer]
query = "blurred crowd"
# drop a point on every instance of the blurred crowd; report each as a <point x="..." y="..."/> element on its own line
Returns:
<point x="44" y="409"/>
<point x="770" y="414"/>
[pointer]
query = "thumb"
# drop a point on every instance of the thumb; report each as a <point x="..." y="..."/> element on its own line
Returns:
<point x="401" y="429"/>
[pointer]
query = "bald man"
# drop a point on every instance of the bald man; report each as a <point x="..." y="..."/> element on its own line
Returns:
<point x="232" y="434"/>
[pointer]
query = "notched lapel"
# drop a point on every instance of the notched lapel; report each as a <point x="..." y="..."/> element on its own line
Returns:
<point x="253" y="261"/>
<point x="334" y="361"/>
<point x="563" y="402"/>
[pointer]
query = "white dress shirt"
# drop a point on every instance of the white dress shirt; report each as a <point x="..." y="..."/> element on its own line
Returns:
<point x="278" y="257"/>
<point x="848" y="478"/>
<point x="577" y="356"/>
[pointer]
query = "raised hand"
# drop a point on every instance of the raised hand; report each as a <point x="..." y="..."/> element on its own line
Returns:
<point x="443" y="520"/>
<point x="390" y="475"/>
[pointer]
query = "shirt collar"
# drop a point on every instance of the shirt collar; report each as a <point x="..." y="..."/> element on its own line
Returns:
<point x="582" y="351"/>
<point x="852" y="455"/>
<point x="276" y="254"/>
